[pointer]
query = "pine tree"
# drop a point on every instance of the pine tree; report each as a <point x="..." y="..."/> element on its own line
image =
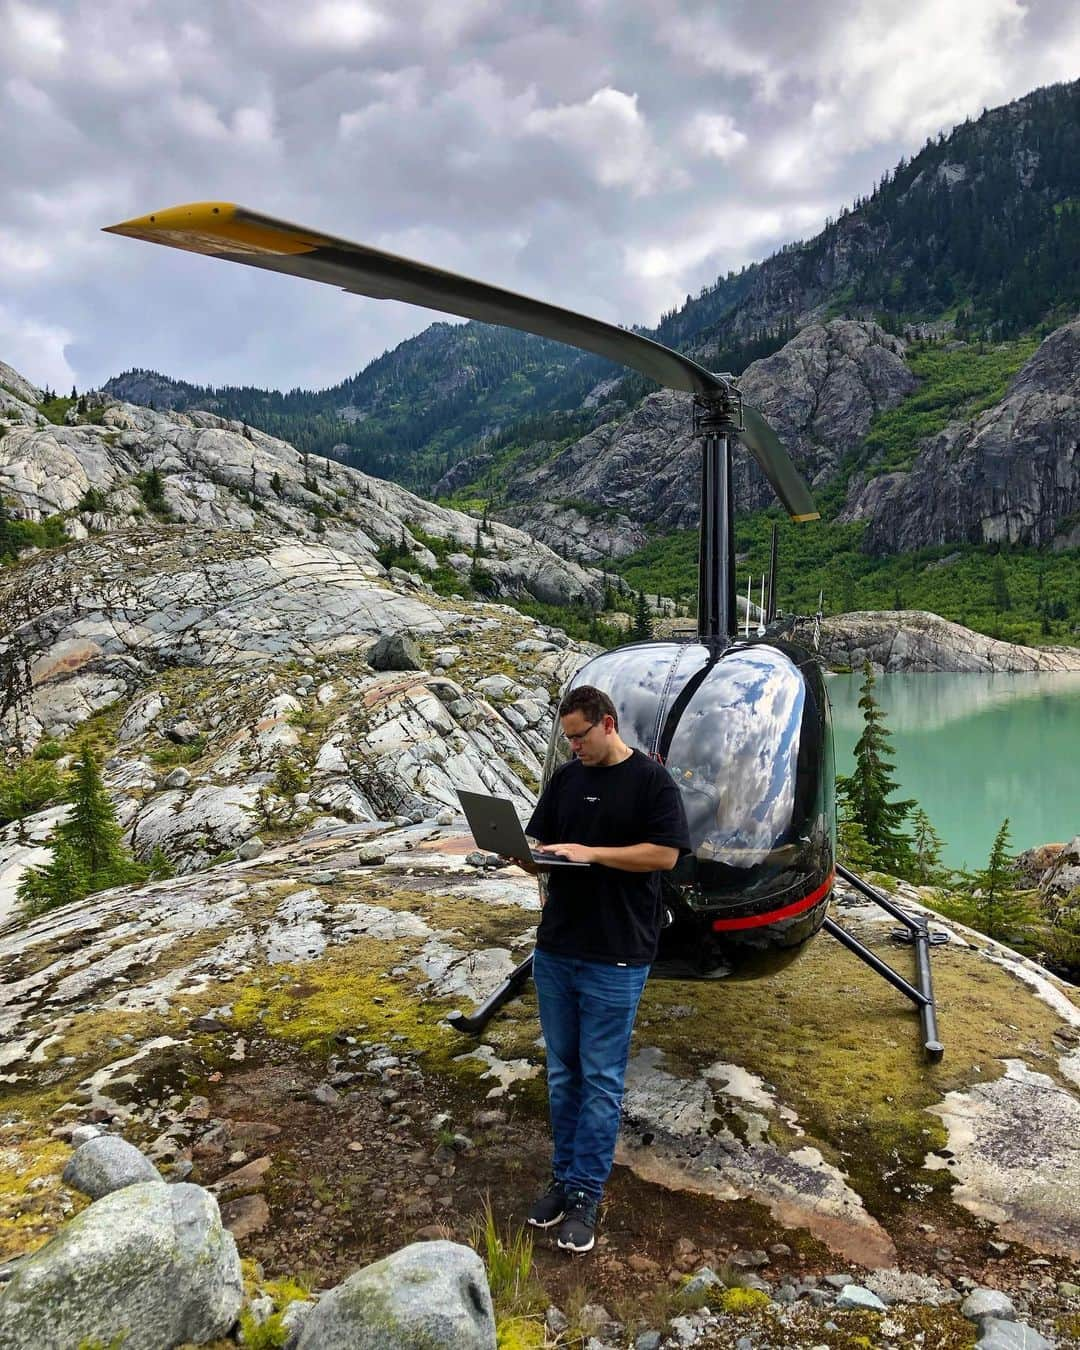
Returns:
<point x="998" y="907"/>
<point x="642" y="629"/>
<point x="865" y="793"/>
<point x="88" y="854"/>
<point x="276" y="484"/>
<point x="926" y="847"/>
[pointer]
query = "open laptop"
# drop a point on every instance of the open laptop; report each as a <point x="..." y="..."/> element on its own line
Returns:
<point x="495" y="825"/>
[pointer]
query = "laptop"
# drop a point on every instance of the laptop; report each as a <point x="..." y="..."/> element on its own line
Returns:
<point x="495" y="826"/>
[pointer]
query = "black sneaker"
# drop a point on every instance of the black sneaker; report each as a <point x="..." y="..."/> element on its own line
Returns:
<point x="576" y="1233"/>
<point x="550" y="1208"/>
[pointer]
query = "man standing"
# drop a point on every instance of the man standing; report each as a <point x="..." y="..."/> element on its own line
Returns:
<point x="620" y="811"/>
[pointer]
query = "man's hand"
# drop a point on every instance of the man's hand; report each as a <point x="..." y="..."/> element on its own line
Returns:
<point x="579" y="853"/>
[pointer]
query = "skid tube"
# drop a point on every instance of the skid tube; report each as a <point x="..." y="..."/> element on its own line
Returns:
<point x="918" y="930"/>
<point x="915" y="927"/>
<point x="515" y="982"/>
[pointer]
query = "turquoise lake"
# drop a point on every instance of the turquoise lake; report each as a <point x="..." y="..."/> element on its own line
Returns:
<point x="972" y="749"/>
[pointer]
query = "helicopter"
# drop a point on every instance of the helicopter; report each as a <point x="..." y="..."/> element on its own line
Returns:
<point x="742" y="724"/>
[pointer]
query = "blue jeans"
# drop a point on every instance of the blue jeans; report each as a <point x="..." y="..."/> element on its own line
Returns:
<point x="587" y="1011"/>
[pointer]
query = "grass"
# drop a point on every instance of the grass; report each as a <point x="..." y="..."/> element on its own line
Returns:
<point x="508" y="1257"/>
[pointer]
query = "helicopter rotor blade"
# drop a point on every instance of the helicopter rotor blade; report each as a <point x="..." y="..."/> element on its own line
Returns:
<point x="235" y="234"/>
<point x="775" y="462"/>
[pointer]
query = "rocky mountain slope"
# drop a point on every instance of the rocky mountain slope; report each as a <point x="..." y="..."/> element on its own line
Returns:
<point x="820" y="392"/>
<point x="1012" y="476"/>
<point x="977" y="237"/>
<point x="287" y="721"/>
<point x="215" y="474"/>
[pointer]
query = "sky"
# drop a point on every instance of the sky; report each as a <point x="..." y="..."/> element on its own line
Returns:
<point x="611" y="156"/>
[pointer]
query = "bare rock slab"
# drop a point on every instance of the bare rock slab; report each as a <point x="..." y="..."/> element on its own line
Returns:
<point x="106" y="1164"/>
<point x="149" y="1266"/>
<point x="430" y="1294"/>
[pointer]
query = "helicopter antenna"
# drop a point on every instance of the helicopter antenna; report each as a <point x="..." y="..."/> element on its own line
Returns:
<point x="771" y="615"/>
<point x="761" y="609"/>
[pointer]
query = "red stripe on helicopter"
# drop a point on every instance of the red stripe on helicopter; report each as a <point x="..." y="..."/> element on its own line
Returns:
<point x="759" y="920"/>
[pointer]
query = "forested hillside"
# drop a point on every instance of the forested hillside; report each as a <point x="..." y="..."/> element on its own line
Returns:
<point x="978" y="235"/>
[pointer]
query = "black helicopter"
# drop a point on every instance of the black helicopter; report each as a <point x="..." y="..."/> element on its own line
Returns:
<point x="743" y="725"/>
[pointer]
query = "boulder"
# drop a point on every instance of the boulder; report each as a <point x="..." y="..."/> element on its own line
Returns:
<point x="430" y="1294"/>
<point x="999" y="1335"/>
<point x="395" y="651"/>
<point x="106" y="1164"/>
<point x="149" y="1267"/>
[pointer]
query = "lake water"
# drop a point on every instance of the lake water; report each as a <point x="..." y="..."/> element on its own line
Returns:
<point x="972" y="749"/>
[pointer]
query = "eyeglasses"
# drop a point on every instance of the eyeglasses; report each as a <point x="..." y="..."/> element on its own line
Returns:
<point x="579" y="736"/>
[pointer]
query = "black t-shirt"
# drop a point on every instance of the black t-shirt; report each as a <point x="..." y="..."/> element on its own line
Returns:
<point x="601" y="913"/>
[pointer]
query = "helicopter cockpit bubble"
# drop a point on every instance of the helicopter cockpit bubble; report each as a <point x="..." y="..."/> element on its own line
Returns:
<point x="743" y="729"/>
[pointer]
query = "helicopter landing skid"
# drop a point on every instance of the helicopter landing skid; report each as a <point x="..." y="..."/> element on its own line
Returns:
<point x="917" y="931"/>
<point x="515" y="982"/>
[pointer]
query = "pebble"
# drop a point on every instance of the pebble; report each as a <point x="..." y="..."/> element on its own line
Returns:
<point x="325" y="1095"/>
<point x="983" y="1303"/>
<point x="748" y="1260"/>
<point x="699" y="1283"/>
<point x="556" y="1321"/>
<point x="855" y="1296"/>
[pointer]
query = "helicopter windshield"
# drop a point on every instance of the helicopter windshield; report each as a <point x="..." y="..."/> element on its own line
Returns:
<point x="734" y="755"/>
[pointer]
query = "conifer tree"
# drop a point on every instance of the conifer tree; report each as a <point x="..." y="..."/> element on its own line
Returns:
<point x="926" y="846"/>
<point x="88" y="854"/>
<point x="865" y="793"/>
<point x="1000" y="583"/>
<point x="642" y="629"/>
<point x="998" y="907"/>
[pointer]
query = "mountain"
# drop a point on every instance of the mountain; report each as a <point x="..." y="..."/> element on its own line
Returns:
<point x="977" y="236"/>
<point x="408" y="415"/>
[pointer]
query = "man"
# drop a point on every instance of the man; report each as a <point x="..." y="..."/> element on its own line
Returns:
<point x="620" y="811"/>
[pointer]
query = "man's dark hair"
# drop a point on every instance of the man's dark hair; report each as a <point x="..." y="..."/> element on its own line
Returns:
<point x="593" y="704"/>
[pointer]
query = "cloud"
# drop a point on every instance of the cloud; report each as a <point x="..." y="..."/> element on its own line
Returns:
<point x="29" y="344"/>
<point x="609" y="157"/>
<point x="34" y="36"/>
<point x="713" y="134"/>
<point x="609" y="134"/>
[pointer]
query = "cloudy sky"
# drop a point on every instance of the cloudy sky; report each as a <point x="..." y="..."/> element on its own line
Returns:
<point x="609" y="155"/>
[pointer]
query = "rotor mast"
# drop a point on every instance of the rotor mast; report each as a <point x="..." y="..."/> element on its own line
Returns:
<point x="717" y="418"/>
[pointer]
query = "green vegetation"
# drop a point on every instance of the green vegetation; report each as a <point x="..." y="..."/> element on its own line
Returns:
<point x="15" y="535"/>
<point x="991" y="900"/>
<point x="954" y="382"/>
<point x="88" y="855"/>
<point x="516" y="1292"/>
<point x="865" y="794"/>
<point x="152" y="486"/>
<point x="955" y="581"/>
<point x="28" y="787"/>
<point x="642" y="629"/>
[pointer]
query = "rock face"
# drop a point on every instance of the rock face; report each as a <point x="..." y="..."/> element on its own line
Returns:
<point x="149" y="1265"/>
<point x="1011" y="476"/>
<point x="221" y="475"/>
<point x="912" y="640"/>
<point x="820" y="393"/>
<point x="432" y="1294"/>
